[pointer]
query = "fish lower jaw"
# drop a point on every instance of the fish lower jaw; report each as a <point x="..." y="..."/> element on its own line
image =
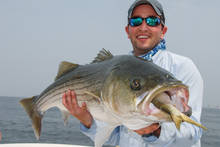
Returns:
<point x="153" y="111"/>
<point x="174" y="95"/>
<point x="150" y="109"/>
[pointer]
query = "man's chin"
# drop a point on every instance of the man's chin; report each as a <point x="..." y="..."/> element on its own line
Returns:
<point x="144" y="50"/>
<point x="140" y="52"/>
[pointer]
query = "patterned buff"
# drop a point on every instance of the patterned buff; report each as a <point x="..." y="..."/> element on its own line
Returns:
<point x="150" y="54"/>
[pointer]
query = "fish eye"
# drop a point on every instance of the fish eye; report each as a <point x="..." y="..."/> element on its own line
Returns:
<point x="135" y="84"/>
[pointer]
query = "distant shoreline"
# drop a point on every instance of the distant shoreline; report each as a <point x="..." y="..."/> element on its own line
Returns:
<point x="10" y="97"/>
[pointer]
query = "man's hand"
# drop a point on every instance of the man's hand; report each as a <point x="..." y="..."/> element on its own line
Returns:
<point x="81" y="113"/>
<point x="154" y="128"/>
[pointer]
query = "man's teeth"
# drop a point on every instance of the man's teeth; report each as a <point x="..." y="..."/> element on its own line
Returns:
<point x="142" y="37"/>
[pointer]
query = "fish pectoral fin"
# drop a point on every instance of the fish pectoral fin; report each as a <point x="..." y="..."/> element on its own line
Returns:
<point x="64" y="68"/>
<point x="92" y="94"/>
<point x="65" y="116"/>
<point x="103" y="133"/>
<point x="34" y="116"/>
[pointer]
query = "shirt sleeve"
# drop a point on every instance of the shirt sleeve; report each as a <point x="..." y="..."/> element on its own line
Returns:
<point x="189" y="134"/>
<point x="91" y="132"/>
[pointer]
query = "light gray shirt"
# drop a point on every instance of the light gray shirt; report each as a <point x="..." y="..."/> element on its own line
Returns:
<point x="189" y="135"/>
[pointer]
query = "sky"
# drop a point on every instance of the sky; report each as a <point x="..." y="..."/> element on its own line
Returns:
<point x="36" y="35"/>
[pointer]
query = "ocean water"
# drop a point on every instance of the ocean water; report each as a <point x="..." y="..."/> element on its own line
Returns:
<point x="16" y="126"/>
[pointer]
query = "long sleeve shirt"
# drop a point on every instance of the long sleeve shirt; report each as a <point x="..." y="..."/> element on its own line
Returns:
<point x="189" y="135"/>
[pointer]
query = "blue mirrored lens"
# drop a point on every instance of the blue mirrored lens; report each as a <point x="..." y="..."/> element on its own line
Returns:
<point x="136" y="21"/>
<point x="152" y="21"/>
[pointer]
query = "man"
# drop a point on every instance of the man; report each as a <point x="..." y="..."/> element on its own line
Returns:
<point x="146" y="29"/>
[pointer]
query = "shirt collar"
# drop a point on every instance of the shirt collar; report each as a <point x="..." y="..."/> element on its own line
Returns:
<point x="148" y="56"/>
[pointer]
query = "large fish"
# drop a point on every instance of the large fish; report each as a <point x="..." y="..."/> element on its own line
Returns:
<point x="119" y="90"/>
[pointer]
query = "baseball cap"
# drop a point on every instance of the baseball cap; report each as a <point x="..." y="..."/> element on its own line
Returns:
<point x="155" y="5"/>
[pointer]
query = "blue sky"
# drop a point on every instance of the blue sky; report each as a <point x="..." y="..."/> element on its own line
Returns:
<point x="36" y="35"/>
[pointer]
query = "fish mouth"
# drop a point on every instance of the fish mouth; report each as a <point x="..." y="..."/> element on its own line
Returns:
<point x="176" y="93"/>
<point x="168" y="103"/>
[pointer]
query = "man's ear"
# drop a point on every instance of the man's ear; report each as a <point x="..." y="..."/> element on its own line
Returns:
<point x="127" y="31"/>
<point x="164" y="30"/>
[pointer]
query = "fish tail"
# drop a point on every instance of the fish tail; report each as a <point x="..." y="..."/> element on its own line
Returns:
<point x="34" y="116"/>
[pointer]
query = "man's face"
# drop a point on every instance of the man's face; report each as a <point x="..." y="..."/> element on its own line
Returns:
<point x="144" y="37"/>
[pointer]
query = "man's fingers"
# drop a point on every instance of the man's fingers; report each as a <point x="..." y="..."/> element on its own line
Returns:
<point x="69" y="99"/>
<point x="156" y="126"/>
<point x="64" y="99"/>
<point x="149" y="129"/>
<point x="84" y="107"/>
<point x="74" y="100"/>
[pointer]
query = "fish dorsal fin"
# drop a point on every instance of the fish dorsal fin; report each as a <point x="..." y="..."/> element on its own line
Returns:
<point x="102" y="56"/>
<point x="65" y="67"/>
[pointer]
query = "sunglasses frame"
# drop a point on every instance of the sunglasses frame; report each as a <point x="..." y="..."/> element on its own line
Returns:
<point x="154" y="17"/>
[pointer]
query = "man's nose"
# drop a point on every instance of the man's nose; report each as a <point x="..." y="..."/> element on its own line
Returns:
<point x="144" y="26"/>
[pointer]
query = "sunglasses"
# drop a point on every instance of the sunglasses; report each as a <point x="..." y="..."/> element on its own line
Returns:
<point x="152" y="21"/>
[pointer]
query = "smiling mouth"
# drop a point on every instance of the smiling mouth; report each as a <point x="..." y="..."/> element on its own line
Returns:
<point x="142" y="37"/>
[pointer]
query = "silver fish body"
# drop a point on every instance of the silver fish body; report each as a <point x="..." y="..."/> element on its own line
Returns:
<point x="118" y="90"/>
